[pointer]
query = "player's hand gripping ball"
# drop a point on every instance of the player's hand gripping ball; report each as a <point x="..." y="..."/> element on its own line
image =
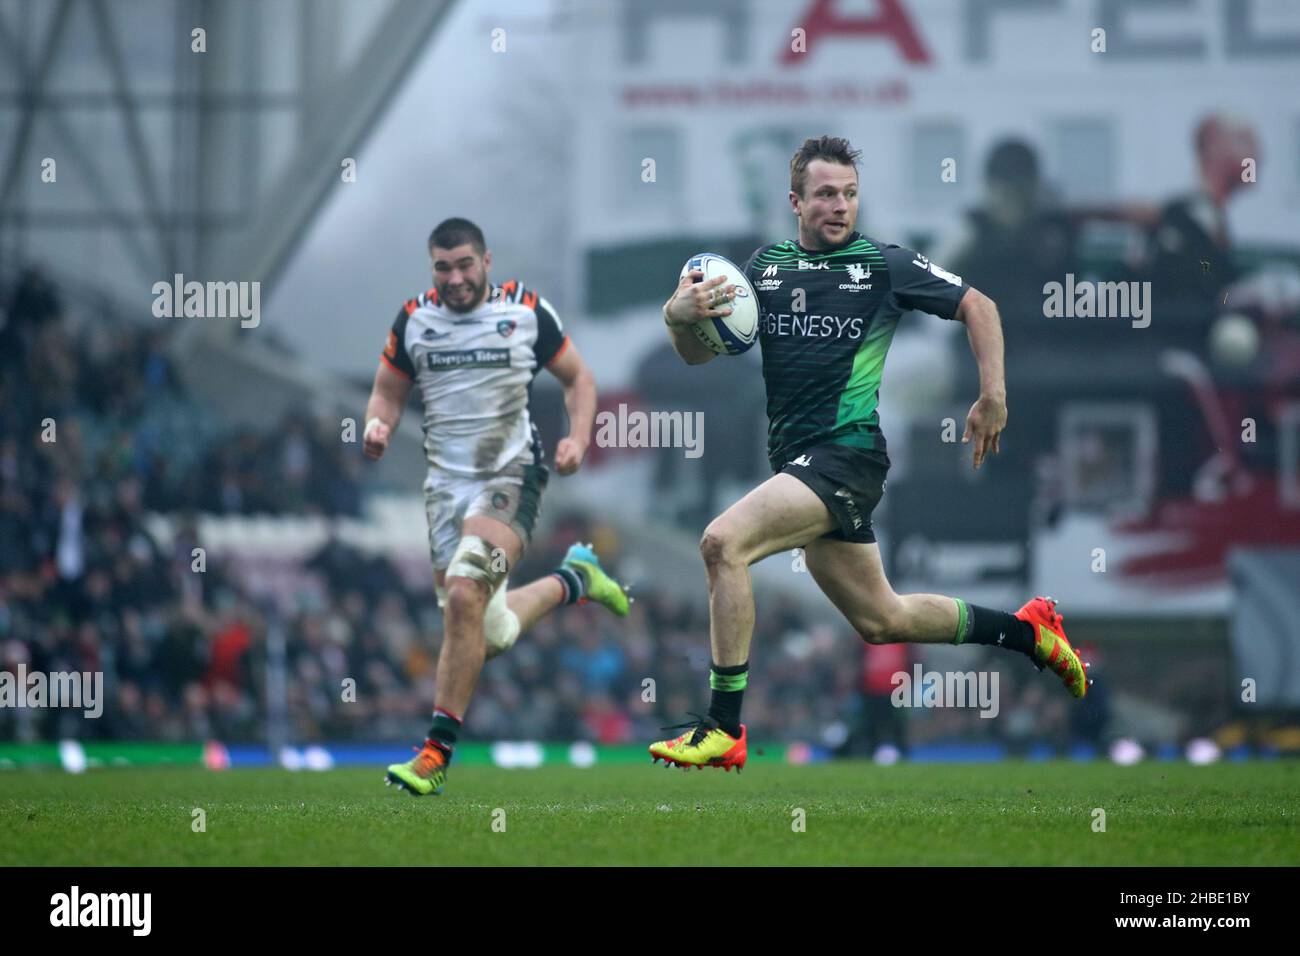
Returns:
<point x="725" y="334"/>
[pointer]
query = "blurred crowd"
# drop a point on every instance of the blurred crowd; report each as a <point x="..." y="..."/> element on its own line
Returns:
<point x="189" y="657"/>
<point x="88" y="402"/>
<point x="96" y="432"/>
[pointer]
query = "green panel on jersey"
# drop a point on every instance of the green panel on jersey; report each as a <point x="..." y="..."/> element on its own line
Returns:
<point x="823" y="376"/>
<point x="858" y="420"/>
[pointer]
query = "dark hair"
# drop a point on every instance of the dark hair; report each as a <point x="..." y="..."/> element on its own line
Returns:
<point x="1012" y="161"/>
<point x="454" y="232"/>
<point x="833" y="149"/>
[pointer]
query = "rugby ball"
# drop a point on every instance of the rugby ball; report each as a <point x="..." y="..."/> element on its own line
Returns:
<point x="735" y="333"/>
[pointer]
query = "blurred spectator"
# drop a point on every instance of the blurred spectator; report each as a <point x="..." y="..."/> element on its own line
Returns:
<point x="597" y="663"/>
<point x="879" y="722"/>
<point x="1017" y="240"/>
<point x="1190" y="251"/>
<point x="1014" y="243"/>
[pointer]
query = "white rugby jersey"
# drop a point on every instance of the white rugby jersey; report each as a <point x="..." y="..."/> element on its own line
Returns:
<point x="474" y="370"/>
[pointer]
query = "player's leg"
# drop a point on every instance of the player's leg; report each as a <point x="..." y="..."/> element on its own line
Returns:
<point x="483" y="618"/>
<point x="851" y="574"/>
<point x="780" y="514"/>
<point x="477" y="571"/>
<point x="468" y="553"/>
<point x="529" y="603"/>
<point x="487" y="551"/>
<point x="579" y="579"/>
<point x="535" y="600"/>
<point x="514" y="499"/>
<point x="846" y="564"/>
<point x="510" y="503"/>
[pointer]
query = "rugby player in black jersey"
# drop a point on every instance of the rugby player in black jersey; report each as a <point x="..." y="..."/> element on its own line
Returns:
<point x="829" y="303"/>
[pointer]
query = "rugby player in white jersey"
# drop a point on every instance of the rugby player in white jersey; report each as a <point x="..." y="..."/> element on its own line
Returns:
<point x="473" y="348"/>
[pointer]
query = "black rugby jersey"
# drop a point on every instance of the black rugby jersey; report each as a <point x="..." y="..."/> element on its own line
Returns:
<point x="826" y="320"/>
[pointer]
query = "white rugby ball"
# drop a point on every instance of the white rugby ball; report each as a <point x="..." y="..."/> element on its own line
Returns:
<point x="734" y="333"/>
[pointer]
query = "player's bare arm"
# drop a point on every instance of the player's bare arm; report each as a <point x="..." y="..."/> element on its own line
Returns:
<point x="580" y="402"/>
<point x="694" y="301"/>
<point x="988" y="416"/>
<point x="384" y="410"/>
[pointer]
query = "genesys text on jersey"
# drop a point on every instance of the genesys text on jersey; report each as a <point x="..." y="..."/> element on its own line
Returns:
<point x="814" y="326"/>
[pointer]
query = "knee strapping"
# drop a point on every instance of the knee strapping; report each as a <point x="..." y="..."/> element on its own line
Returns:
<point x="474" y="559"/>
<point x="500" y="624"/>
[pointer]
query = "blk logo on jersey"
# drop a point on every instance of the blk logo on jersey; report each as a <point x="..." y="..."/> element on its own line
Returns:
<point x="506" y="327"/>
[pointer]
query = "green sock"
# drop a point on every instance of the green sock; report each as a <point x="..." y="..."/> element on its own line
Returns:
<point x="728" y="686"/>
<point x="983" y="625"/>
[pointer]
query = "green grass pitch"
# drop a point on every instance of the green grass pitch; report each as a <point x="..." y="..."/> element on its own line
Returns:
<point x="1169" y="814"/>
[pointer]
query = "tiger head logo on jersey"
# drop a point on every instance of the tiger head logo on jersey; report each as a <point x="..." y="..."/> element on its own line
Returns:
<point x="506" y="327"/>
